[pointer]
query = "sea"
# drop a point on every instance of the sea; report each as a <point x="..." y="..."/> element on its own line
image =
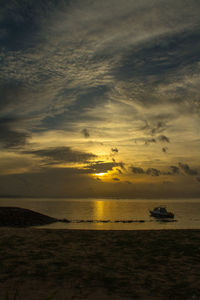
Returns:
<point x="112" y="214"/>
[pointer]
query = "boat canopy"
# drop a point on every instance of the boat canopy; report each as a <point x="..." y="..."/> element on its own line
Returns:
<point x="160" y="209"/>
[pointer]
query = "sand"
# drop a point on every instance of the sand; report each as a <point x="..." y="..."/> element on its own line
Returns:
<point x="43" y="264"/>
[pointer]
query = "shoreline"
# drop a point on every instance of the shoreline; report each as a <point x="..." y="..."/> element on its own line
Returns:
<point x="99" y="264"/>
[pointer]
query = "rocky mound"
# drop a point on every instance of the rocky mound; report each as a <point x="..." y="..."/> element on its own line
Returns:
<point x="21" y="217"/>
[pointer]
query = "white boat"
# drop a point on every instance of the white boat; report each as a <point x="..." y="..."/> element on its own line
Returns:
<point x="161" y="212"/>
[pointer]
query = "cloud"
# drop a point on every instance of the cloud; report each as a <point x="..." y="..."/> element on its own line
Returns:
<point x="102" y="167"/>
<point x="116" y="179"/>
<point x="161" y="138"/>
<point x="164" y="55"/>
<point x="164" y="139"/>
<point x="154" y="126"/>
<point x="11" y="137"/>
<point x="159" y="127"/>
<point x="150" y="141"/>
<point x="164" y="149"/>
<point x="114" y="150"/>
<point x="21" y="21"/>
<point x="73" y="58"/>
<point x="153" y="172"/>
<point x="137" y="170"/>
<point x="62" y="155"/>
<point x="50" y="182"/>
<point x="175" y="169"/>
<point x="149" y="171"/>
<point x="187" y="169"/>
<point x="85" y="132"/>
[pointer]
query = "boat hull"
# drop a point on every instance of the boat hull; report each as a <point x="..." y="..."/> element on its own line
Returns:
<point x="161" y="215"/>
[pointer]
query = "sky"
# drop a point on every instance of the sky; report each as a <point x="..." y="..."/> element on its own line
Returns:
<point x="100" y="98"/>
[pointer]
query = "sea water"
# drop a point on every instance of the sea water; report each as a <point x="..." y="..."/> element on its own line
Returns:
<point x="112" y="214"/>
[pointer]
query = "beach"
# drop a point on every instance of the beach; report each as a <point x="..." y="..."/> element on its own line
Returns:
<point x="45" y="264"/>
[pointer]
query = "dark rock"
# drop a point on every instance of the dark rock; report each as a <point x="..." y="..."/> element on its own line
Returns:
<point x="21" y="217"/>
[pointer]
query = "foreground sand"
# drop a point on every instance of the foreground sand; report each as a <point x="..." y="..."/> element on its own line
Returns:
<point x="75" y="264"/>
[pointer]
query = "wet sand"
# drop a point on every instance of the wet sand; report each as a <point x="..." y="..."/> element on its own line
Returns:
<point x="83" y="264"/>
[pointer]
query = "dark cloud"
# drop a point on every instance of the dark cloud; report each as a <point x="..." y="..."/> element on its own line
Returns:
<point x="11" y="93"/>
<point x="16" y="98"/>
<point x="137" y="170"/>
<point x="102" y="167"/>
<point x="21" y="21"/>
<point x="88" y="97"/>
<point x="153" y="172"/>
<point x="51" y="182"/>
<point x="154" y="127"/>
<point x="161" y="57"/>
<point x="116" y="179"/>
<point x="115" y="150"/>
<point x="11" y="137"/>
<point x="70" y="104"/>
<point x="73" y="182"/>
<point x="150" y="141"/>
<point x="62" y="155"/>
<point x="164" y="139"/>
<point x="159" y="127"/>
<point x="164" y="149"/>
<point x="85" y="132"/>
<point x="187" y="170"/>
<point x="175" y="169"/>
<point x="149" y="171"/>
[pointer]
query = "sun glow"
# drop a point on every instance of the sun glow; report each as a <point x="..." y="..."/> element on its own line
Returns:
<point x="100" y="174"/>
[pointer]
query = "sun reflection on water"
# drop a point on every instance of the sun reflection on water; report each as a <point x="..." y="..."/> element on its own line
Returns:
<point x="99" y="207"/>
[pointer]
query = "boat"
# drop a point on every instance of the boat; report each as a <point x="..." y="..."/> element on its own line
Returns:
<point x="161" y="212"/>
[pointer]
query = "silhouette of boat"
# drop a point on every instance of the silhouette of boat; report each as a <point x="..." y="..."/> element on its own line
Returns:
<point x="161" y="212"/>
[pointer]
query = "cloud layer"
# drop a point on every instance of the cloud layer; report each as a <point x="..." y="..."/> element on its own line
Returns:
<point x="87" y="82"/>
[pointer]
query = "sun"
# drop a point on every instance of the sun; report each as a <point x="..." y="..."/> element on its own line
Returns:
<point x="100" y="174"/>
